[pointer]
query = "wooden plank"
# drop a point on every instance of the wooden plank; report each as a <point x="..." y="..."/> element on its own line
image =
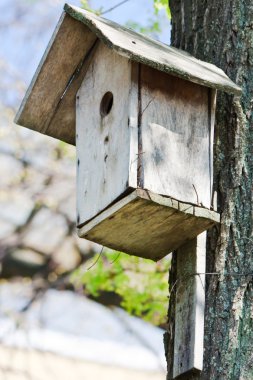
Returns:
<point x="176" y="138"/>
<point x="133" y="125"/>
<point x="190" y="307"/>
<point x="146" y="225"/>
<point x="212" y="108"/>
<point x="103" y="140"/>
<point x="60" y="65"/>
<point x="145" y="50"/>
<point x="43" y="106"/>
<point x="200" y="212"/>
<point x="63" y="122"/>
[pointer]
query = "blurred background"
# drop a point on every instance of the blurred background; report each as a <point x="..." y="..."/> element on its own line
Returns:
<point x="68" y="307"/>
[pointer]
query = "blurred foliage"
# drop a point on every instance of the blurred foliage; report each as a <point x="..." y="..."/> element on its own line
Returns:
<point x="141" y="284"/>
<point x="63" y="149"/>
<point x="86" y="5"/>
<point x="153" y="28"/>
<point x="162" y="4"/>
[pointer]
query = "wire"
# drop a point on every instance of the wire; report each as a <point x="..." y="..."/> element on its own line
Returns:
<point x="95" y="262"/>
<point x="114" y="7"/>
<point x="116" y="258"/>
<point x="182" y="279"/>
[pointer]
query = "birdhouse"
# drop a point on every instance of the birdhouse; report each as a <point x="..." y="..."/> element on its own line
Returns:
<point x="141" y="114"/>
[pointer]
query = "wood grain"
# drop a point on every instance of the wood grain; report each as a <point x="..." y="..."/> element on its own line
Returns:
<point x="104" y="151"/>
<point x="212" y="108"/>
<point x="48" y="105"/>
<point x="63" y="122"/>
<point x="176" y="138"/>
<point x="133" y="125"/>
<point x="190" y="307"/>
<point x="60" y="68"/>
<point x="145" y="50"/>
<point x="147" y="225"/>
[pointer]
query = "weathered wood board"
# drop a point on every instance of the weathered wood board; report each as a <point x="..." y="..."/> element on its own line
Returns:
<point x="60" y="67"/>
<point x="190" y="307"/>
<point x="49" y="106"/>
<point x="211" y="108"/>
<point x="133" y="125"/>
<point x="160" y="56"/>
<point x="176" y="135"/>
<point x="148" y="225"/>
<point x="106" y="141"/>
<point x="64" y="118"/>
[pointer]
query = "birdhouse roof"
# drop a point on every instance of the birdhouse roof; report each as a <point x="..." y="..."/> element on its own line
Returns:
<point x="49" y="104"/>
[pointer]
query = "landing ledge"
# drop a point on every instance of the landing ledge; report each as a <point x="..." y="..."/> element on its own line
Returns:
<point x="148" y="225"/>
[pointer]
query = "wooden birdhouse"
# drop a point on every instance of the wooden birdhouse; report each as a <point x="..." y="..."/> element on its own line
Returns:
<point x="142" y="116"/>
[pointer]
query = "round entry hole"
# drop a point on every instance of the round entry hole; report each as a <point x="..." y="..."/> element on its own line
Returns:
<point x="106" y="104"/>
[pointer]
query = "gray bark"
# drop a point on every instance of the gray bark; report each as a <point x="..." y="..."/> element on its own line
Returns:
<point x="221" y="32"/>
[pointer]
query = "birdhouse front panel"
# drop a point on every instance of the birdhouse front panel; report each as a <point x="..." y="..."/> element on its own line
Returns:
<point x="104" y="138"/>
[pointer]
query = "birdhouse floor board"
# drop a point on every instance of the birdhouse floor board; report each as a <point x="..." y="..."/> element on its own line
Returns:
<point x="148" y="225"/>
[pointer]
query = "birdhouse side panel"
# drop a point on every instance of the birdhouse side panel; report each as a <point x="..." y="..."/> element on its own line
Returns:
<point x="176" y="137"/>
<point x="104" y="133"/>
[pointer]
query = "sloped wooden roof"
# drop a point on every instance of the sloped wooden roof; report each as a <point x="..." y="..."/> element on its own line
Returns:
<point x="49" y="104"/>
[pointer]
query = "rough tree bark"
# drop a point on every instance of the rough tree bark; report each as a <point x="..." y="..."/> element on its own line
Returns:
<point x="221" y="32"/>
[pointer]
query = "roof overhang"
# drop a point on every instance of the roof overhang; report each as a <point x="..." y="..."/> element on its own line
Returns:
<point x="49" y="104"/>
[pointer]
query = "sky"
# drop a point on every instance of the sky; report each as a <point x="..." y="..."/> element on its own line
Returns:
<point x="135" y="10"/>
<point x="26" y="27"/>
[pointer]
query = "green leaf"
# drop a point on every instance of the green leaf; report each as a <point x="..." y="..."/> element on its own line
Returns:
<point x="162" y="4"/>
<point x="85" y="4"/>
<point x="141" y="284"/>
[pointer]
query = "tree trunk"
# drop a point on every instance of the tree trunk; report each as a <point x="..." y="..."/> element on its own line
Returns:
<point x="221" y="32"/>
